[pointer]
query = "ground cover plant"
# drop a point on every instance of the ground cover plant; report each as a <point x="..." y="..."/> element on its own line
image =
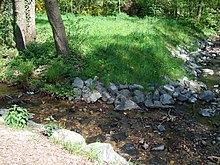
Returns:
<point x="119" y="49"/>
<point x="17" y="117"/>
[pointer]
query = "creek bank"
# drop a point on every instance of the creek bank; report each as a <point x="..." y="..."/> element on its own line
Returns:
<point x="177" y="137"/>
<point x="102" y="152"/>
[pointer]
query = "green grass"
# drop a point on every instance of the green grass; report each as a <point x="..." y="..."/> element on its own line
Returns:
<point x="120" y="49"/>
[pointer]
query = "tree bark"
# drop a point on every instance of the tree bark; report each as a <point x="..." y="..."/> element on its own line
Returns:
<point x="59" y="35"/>
<point x="30" y="35"/>
<point x="1" y="5"/>
<point x="20" y="24"/>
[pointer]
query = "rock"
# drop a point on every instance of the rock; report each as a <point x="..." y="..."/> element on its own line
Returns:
<point x="105" y="153"/>
<point x="176" y="94"/>
<point x="98" y="138"/>
<point x="120" y="136"/>
<point x="88" y="82"/>
<point x="207" y="72"/>
<point x="161" y="128"/>
<point x="94" y="97"/>
<point x="157" y="103"/>
<point x="105" y="96"/>
<point x="183" y="97"/>
<point x="112" y="88"/>
<point x="139" y="96"/>
<point x="86" y="92"/>
<point x="120" y="87"/>
<point x="158" y="148"/>
<point x="156" y="95"/>
<point x="3" y="111"/>
<point x="70" y="98"/>
<point x="99" y="87"/>
<point x="78" y="83"/>
<point x="174" y="84"/>
<point x="110" y="100"/>
<point x="192" y="99"/>
<point x="205" y="112"/>
<point x="135" y="86"/>
<point x="148" y="103"/>
<point x="156" y="161"/>
<point x="68" y="136"/>
<point x="130" y="149"/>
<point x="166" y="99"/>
<point x="125" y="92"/>
<point x="127" y="105"/>
<point x="77" y="93"/>
<point x="207" y="96"/>
<point x="169" y="88"/>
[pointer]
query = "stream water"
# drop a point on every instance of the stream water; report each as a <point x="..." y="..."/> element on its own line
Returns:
<point x="171" y="136"/>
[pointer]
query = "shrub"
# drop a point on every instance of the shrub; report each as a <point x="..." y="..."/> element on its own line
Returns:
<point x="17" y="117"/>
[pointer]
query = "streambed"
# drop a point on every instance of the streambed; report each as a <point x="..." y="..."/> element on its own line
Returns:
<point x="177" y="135"/>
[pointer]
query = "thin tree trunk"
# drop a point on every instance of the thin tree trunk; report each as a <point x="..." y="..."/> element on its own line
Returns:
<point x="20" y="24"/>
<point x="54" y="17"/>
<point x="30" y="16"/>
<point x="1" y="5"/>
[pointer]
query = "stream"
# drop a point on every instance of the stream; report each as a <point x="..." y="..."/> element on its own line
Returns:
<point x="177" y="135"/>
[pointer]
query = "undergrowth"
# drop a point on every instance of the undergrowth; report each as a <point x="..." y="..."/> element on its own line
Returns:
<point x="119" y="49"/>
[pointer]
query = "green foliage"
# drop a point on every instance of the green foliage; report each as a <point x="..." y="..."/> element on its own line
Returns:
<point x="6" y="22"/>
<point x="25" y="70"/>
<point x="79" y="149"/>
<point x="73" y="147"/>
<point x="123" y="49"/>
<point x="77" y="33"/>
<point x="51" y="126"/>
<point x="17" y="117"/>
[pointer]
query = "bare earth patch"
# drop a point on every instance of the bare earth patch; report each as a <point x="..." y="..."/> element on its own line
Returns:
<point x="30" y="147"/>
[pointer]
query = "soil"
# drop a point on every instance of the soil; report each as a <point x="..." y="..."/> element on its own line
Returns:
<point x="30" y="147"/>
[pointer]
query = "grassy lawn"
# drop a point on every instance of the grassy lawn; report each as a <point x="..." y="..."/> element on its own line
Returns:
<point x="119" y="49"/>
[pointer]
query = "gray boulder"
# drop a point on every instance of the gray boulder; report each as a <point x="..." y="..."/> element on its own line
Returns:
<point x="94" y="97"/>
<point x="192" y="99"/>
<point x="88" y="82"/>
<point x="148" y="103"/>
<point x="105" y="96"/>
<point x="3" y="111"/>
<point x="105" y="153"/>
<point x="125" y="92"/>
<point x="207" y="96"/>
<point x="86" y="92"/>
<point x="67" y="136"/>
<point x="135" y="86"/>
<point x="156" y="95"/>
<point x="139" y="96"/>
<point x="121" y="103"/>
<point x="78" y="83"/>
<point x="183" y="97"/>
<point x="166" y="99"/>
<point x="112" y="88"/>
<point x="77" y="93"/>
<point x="169" y="88"/>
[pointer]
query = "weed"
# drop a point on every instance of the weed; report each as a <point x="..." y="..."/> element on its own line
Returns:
<point x="51" y="126"/>
<point x="73" y="147"/>
<point x="17" y="117"/>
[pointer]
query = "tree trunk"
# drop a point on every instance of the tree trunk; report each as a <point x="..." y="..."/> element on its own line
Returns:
<point x="1" y="5"/>
<point x="54" y="17"/>
<point x="30" y="35"/>
<point x="20" y="24"/>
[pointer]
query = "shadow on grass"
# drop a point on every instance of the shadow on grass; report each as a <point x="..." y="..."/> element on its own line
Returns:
<point x="39" y="53"/>
<point x="131" y="59"/>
